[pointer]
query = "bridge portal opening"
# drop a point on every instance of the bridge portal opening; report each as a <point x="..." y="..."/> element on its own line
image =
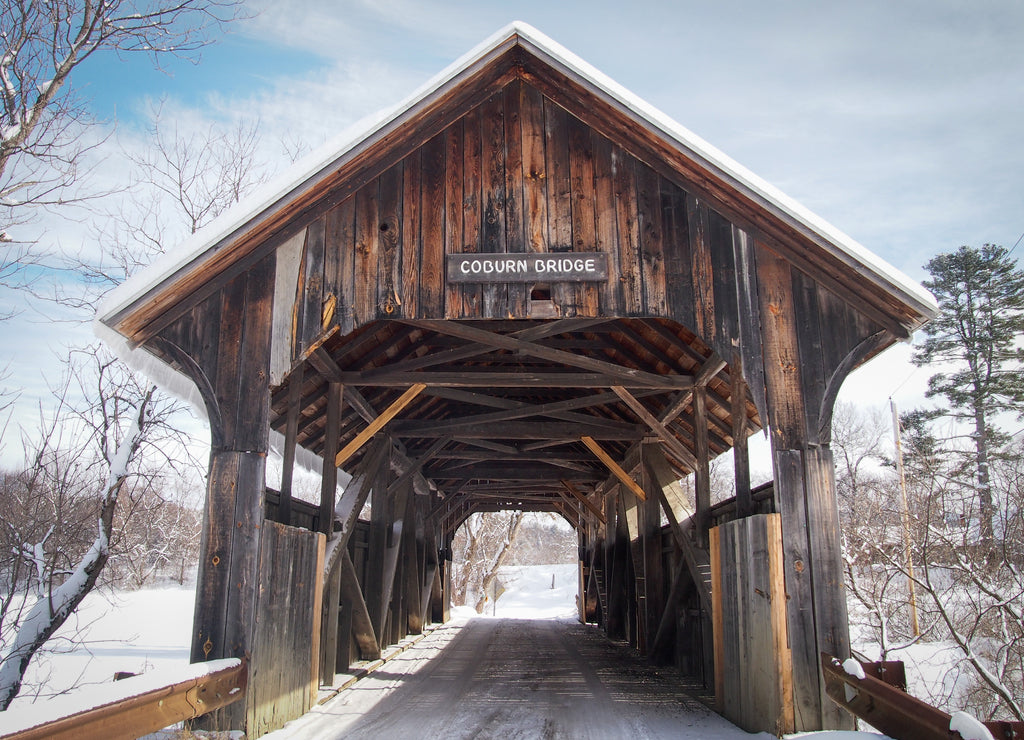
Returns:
<point x="517" y="564"/>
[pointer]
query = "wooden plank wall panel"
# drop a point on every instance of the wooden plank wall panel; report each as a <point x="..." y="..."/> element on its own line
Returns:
<point x="753" y="674"/>
<point x="283" y="660"/>
<point x="678" y="270"/>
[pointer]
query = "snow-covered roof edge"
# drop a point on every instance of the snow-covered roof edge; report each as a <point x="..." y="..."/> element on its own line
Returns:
<point x="206" y="241"/>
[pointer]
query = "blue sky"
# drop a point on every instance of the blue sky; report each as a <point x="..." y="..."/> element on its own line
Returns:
<point x="897" y="121"/>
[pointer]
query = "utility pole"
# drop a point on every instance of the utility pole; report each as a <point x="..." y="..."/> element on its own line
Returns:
<point x="905" y="516"/>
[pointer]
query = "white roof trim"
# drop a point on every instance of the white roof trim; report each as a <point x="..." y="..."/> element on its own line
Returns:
<point x="206" y="242"/>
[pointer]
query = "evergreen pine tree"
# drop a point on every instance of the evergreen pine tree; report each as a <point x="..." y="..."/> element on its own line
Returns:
<point x="981" y="318"/>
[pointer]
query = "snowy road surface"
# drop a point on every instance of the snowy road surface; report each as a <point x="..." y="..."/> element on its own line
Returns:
<point x="513" y="678"/>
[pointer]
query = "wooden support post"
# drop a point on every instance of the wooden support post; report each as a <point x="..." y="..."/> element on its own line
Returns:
<point x="703" y="472"/>
<point x="329" y="478"/>
<point x="805" y="499"/>
<point x="233" y="517"/>
<point x="284" y="507"/>
<point x="329" y="622"/>
<point x="654" y="594"/>
<point x="362" y="624"/>
<point x="740" y="429"/>
<point x="353" y="498"/>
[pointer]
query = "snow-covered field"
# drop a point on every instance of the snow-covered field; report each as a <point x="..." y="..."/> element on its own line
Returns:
<point x="146" y="630"/>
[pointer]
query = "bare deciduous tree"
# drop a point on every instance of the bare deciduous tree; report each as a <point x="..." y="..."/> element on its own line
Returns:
<point x="60" y="511"/>
<point x="478" y="551"/>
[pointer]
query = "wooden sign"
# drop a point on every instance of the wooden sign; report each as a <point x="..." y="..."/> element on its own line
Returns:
<point x="562" y="267"/>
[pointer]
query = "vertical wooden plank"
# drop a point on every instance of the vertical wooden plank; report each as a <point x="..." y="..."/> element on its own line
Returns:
<point x="651" y="241"/>
<point x="717" y="604"/>
<point x="433" y="241"/>
<point x="332" y="301"/>
<point x="472" y="192"/>
<point x="411" y="243"/>
<point x="454" y="210"/>
<point x="515" y="218"/>
<point x="556" y="129"/>
<point x="366" y="251"/>
<point x="700" y="266"/>
<point x="780" y="634"/>
<point x="531" y="111"/>
<point x="389" y="239"/>
<point x="311" y="284"/>
<point x="609" y="292"/>
<point x="492" y="163"/>
<point x="723" y="268"/>
<point x="627" y="232"/>
<point x="679" y="297"/>
<point x="584" y="220"/>
<point x="341" y="244"/>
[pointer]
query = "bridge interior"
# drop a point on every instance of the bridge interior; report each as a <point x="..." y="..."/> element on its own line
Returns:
<point x="519" y="414"/>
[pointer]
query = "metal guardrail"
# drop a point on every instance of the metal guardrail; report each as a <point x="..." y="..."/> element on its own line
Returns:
<point x="151" y="710"/>
<point x="894" y="712"/>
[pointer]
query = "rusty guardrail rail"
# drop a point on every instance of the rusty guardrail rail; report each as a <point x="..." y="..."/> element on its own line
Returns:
<point x="889" y="709"/>
<point x="132" y="714"/>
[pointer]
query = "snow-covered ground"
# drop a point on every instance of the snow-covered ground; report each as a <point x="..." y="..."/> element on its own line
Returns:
<point x="150" y="629"/>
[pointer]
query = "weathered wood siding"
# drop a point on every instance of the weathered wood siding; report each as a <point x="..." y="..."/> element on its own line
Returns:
<point x="286" y="647"/>
<point x="520" y="175"/>
<point x="753" y="676"/>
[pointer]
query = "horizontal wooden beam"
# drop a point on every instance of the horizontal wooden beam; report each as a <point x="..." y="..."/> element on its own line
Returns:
<point x="130" y="713"/>
<point x="544" y="430"/>
<point x="507" y="342"/>
<point x="526" y="379"/>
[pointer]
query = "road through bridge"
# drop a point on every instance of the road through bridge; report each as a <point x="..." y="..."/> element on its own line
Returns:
<point x="522" y="288"/>
<point x="515" y="678"/>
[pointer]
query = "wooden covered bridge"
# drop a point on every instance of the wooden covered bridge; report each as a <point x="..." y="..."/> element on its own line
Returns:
<point x="523" y="288"/>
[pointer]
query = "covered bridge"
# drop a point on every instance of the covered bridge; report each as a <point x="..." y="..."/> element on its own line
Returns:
<point x="522" y="288"/>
